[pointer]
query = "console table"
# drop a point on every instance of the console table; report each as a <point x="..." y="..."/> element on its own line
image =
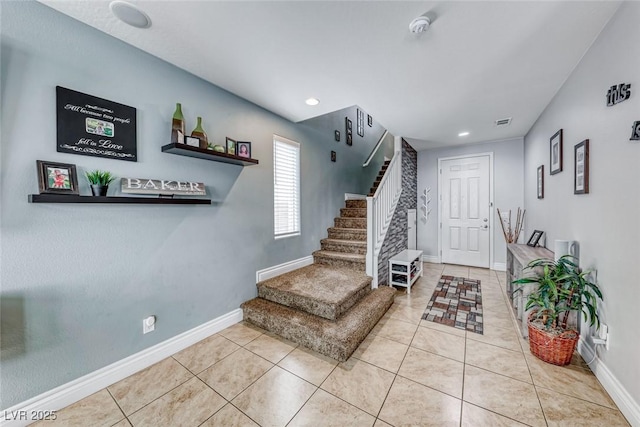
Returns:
<point x="405" y="268"/>
<point x="518" y="256"/>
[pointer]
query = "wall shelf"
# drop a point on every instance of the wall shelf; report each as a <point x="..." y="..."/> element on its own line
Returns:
<point x="70" y="198"/>
<point x="199" y="153"/>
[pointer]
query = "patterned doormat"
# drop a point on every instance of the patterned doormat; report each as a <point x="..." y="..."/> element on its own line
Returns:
<point x="456" y="302"/>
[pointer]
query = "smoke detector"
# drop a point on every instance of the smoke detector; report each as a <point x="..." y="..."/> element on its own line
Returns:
<point x="420" y="24"/>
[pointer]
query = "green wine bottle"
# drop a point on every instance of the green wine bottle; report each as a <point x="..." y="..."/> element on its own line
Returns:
<point x="177" y="126"/>
<point x="199" y="133"/>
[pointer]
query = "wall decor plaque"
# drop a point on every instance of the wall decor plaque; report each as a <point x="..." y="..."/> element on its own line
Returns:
<point x="617" y="94"/>
<point x="93" y="126"/>
<point x="161" y="186"/>
<point x="635" y="131"/>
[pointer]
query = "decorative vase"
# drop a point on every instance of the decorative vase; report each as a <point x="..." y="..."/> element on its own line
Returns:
<point x="99" y="190"/>
<point x="199" y="133"/>
<point x="177" y="126"/>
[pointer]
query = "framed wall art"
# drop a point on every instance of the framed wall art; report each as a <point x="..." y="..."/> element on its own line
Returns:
<point x="555" y="153"/>
<point x="244" y="149"/>
<point x="540" y="182"/>
<point x="581" y="168"/>
<point x="57" y="178"/>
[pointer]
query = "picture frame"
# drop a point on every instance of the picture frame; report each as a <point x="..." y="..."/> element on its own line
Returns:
<point x="231" y="146"/>
<point x="349" y="139"/>
<point x="243" y="149"/>
<point x="555" y="153"/>
<point x="369" y="120"/>
<point x="193" y="142"/>
<point x="57" y="178"/>
<point x="540" y="182"/>
<point x="581" y="168"/>
<point x="333" y="156"/>
<point x="336" y="135"/>
<point x="535" y="238"/>
<point x="360" y="122"/>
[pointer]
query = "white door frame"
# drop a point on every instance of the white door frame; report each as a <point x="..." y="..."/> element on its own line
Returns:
<point x="491" y="204"/>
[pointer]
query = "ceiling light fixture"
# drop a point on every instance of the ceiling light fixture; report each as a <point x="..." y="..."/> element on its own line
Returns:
<point x="420" y="24"/>
<point x="130" y="14"/>
<point x="463" y="134"/>
<point x="312" y="101"/>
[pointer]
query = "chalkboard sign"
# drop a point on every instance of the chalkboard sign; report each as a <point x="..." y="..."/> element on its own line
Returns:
<point x="93" y="126"/>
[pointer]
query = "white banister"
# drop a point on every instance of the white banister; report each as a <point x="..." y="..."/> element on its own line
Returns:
<point x="375" y="149"/>
<point x="380" y="209"/>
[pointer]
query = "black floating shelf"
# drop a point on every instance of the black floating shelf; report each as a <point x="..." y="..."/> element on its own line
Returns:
<point x="187" y="150"/>
<point x="69" y="198"/>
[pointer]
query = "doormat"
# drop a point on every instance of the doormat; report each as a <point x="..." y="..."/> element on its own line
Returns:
<point x="456" y="302"/>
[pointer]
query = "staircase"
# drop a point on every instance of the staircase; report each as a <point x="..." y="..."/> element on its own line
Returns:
<point x="378" y="180"/>
<point x="327" y="306"/>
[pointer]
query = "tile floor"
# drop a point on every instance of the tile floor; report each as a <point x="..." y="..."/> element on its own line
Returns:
<point x="407" y="372"/>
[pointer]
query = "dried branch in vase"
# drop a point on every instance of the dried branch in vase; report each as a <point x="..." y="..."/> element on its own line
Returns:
<point x="511" y="234"/>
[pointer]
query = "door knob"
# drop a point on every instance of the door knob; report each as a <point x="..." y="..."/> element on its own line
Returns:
<point x="485" y="220"/>
<point x="485" y="226"/>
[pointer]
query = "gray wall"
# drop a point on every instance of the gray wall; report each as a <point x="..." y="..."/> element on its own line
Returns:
<point x="78" y="279"/>
<point x="604" y="222"/>
<point x="508" y="178"/>
<point x="397" y="236"/>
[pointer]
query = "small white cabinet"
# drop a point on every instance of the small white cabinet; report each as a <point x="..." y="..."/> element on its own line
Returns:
<point x="405" y="268"/>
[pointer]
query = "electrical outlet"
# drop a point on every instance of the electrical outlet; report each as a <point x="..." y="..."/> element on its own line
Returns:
<point x="603" y="333"/>
<point x="148" y="324"/>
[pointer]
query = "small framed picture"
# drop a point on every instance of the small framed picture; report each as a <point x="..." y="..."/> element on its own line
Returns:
<point x="336" y="135"/>
<point x="57" y="178"/>
<point x="349" y="139"/>
<point x="555" y="153"/>
<point x="540" y="181"/>
<point x="581" y="168"/>
<point x="369" y="120"/>
<point x="348" y="124"/>
<point x="231" y="147"/>
<point x="535" y="237"/>
<point x="244" y="149"/>
<point x="194" y="142"/>
<point x="333" y="156"/>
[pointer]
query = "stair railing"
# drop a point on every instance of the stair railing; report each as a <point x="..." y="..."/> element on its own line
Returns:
<point x="380" y="209"/>
<point x="375" y="149"/>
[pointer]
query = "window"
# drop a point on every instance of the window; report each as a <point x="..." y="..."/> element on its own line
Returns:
<point x="286" y="187"/>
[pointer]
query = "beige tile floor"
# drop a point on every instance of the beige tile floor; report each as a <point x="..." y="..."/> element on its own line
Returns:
<point x="407" y="372"/>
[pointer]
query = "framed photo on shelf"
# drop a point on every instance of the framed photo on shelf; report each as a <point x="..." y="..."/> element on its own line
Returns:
<point x="581" y="168"/>
<point x="57" y="178"/>
<point x="244" y="149"/>
<point x="555" y="153"/>
<point x="231" y="146"/>
<point x="540" y="181"/>
<point x="535" y="237"/>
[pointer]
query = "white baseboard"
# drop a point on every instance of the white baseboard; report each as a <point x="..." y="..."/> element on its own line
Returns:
<point x="431" y="258"/>
<point x="627" y="405"/>
<point x="353" y="196"/>
<point x="499" y="266"/>
<point x="82" y="387"/>
<point x="276" y="270"/>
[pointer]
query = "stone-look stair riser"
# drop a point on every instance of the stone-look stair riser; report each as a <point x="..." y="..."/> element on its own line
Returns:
<point x="338" y="259"/>
<point x="353" y="212"/>
<point x="357" y="234"/>
<point x="336" y="339"/>
<point x="350" y="223"/>
<point x="346" y="246"/>
<point x="356" y="203"/>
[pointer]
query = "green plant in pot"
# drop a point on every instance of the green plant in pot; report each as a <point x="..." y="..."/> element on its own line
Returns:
<point x="99" y="181"/>
<point x="559" y="288"/>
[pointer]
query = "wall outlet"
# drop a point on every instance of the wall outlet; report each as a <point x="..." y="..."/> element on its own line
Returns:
<point x="148" y="324"/>
<point x="603" y="333"/>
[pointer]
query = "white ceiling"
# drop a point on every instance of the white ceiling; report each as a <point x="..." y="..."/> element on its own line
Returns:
<point x="479" y="61"/>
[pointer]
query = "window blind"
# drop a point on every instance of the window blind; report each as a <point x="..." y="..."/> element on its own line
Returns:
<point x="286" y="187"/>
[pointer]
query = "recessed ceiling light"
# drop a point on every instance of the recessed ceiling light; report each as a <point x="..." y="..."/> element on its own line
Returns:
<point x="312" y="101"/>
<point x="463" y="134"/>
<point x="420" y="24"/>
<point x="130" y="14"/>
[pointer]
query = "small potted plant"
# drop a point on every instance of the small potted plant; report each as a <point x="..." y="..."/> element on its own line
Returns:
<point x="99" y="181"/>
<point x="560" y="287"/>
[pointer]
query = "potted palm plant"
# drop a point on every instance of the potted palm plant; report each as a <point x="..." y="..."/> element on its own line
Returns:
<point x="99" y="181"/>
<point x="560" y="287"/>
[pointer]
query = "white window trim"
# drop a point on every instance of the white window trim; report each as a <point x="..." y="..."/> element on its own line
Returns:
<point x="296" y="145"/>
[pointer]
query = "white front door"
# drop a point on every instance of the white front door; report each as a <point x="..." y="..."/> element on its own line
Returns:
<point x="465" y="211"/>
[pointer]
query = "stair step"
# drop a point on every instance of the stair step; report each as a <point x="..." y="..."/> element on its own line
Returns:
<point x="317" y="289"/>
<point x="337" y="339"/>
<point x="356" y="203"/>
<point x="350" y="222"/>
<point x="341" y="245"/>
<point x="340" y="259"/>
<point x="353" y="212"/>
<point x="357" y="234"/>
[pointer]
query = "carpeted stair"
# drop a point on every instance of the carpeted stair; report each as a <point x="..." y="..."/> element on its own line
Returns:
<point x="378" y="180"/>
<point x="327" y="306"/>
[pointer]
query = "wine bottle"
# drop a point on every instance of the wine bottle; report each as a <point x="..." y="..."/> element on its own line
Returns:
<point x="177" y="126"/>
<point x="199" y="133"/>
